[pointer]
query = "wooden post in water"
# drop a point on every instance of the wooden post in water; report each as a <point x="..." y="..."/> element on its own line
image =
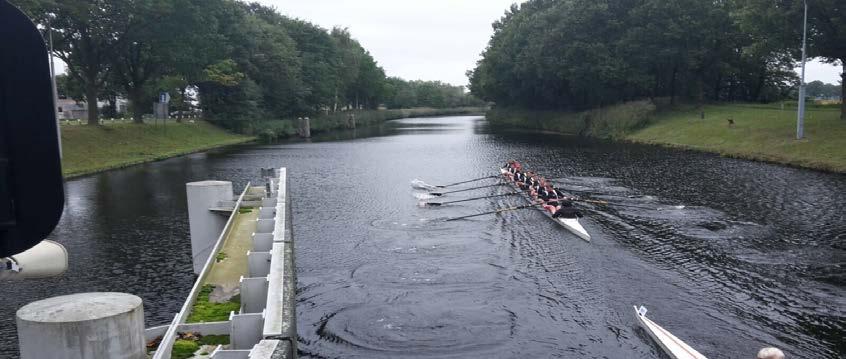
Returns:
<point x="304" y="129"/>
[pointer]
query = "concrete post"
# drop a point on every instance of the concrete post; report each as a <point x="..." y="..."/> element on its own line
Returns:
<point x="305" y="128"/>
<point x="205" y="225"/>
<point x="83" y="326"/>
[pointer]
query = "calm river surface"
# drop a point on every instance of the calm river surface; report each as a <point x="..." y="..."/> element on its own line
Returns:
<point x="756" y="257"/>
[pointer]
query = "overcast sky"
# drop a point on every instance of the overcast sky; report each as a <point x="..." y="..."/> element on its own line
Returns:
<point x="412" y="39"/>
<point x="429" y="39"/>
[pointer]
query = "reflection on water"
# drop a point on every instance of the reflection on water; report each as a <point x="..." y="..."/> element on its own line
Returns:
<point x="729" y="255"/>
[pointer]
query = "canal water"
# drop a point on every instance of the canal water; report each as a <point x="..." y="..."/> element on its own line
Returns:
<point x="729" y="255"/>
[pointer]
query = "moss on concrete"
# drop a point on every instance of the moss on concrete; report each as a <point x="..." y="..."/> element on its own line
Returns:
<point x="207" y="311"/>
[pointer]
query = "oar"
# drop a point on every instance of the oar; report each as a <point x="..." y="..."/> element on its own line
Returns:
<point x="620" y="204"/>
<point x="468" y="181"/>
<point x="492" y="212"/>
<point x="435" y="204"/>
<point x="466" y="189"/>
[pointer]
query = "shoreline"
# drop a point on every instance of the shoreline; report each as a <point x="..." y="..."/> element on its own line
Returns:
<point x="78" y="175"/>
<point x="756" y="157"/>
<point x="91" y="150"/>
<point x="761" y="133"/>
<point x="125" y="135"/>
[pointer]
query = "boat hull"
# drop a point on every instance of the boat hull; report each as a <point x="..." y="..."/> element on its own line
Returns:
<point x="668" y="342"/>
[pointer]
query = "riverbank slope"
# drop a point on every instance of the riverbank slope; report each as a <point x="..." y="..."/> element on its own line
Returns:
<point x="88" y="149"/>
<point x="759" y="132"/>
<point x="756" y="132"/>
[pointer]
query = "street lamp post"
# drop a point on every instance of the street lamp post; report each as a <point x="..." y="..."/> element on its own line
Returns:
<point x="55" y="90"/>
<point x="800" y="121"/>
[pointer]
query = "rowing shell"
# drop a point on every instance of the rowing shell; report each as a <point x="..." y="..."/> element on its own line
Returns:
<point x="572" y="224"/>
<point x="671" y="345"/>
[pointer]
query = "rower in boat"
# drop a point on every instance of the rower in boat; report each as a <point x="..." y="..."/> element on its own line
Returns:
<point x="509" y="167"/>
<point x="526" y="183"/>
<point x="534" y="185"/>
<point x="520" y="178"/>
<point x="515" y="169"/>
<point x="770" y="353"/>
<point x="559" y="204"/>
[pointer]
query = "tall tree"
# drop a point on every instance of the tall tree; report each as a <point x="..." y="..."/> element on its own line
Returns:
<point x="86" y="36"/>
<point x="160" y="34"/>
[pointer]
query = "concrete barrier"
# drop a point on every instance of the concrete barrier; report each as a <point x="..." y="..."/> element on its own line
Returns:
<point x="253" y="294"/>
<point x="246" y="330"/>
<point x="265" y="325"/>
<point x="262" y="242"/>
<point x="258" y="264"/>
<point x="205" y="225"/>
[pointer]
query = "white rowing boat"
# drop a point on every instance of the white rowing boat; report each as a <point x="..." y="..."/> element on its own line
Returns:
<point x="572" y="224"/>
<point x="671" y="345"/>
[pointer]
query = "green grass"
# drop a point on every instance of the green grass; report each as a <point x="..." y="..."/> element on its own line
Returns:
<point x="206" y="311"/>
<point x="89" y="149"/>
<point x="214" y="340"/>
<point x="221" y="256"/>
<point x="184" y="349"/>
<point x="760" y="132"/>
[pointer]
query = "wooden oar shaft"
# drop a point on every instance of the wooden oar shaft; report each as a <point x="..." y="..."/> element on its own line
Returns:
<point x="467" y="181"/>
<point x="471" y="199"/>
<point x="492" y="212"/>
<point x="466" y="189"/>
<point x="616" y="204"/>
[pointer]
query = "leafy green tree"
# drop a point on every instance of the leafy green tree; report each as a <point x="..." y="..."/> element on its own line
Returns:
<point x="579" y="54"/>
<point x="86" y="35"/>
<point x="67" y="88"/>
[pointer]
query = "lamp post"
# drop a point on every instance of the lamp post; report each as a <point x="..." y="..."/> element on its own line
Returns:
<point x="55" y="90"/>
<point x="800" y="121"/>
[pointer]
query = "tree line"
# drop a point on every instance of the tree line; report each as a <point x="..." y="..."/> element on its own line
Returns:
<point x="409" y="94"/>
<point x="241" y="62"/>
<point x="580" y="54"/>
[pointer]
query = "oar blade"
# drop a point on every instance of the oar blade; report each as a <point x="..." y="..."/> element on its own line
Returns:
<point x="416" y="183"/>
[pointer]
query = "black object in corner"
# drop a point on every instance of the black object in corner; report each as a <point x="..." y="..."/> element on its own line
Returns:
<point x="31" y="185"/>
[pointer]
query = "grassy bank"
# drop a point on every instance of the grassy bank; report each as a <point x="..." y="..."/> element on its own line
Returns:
<point x="269" y="130"/>
<point x="89" y="149"/>
<point x="760" y="132"/>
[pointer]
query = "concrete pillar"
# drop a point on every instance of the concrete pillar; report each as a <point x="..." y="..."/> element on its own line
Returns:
<point x="305" y="128"/>
<point x="205" y="225"/>
<point x="83" y="326"/>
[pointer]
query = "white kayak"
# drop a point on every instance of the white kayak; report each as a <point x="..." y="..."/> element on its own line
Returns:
<point x="572" y="224"/>
<point x="671" y="345"/>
